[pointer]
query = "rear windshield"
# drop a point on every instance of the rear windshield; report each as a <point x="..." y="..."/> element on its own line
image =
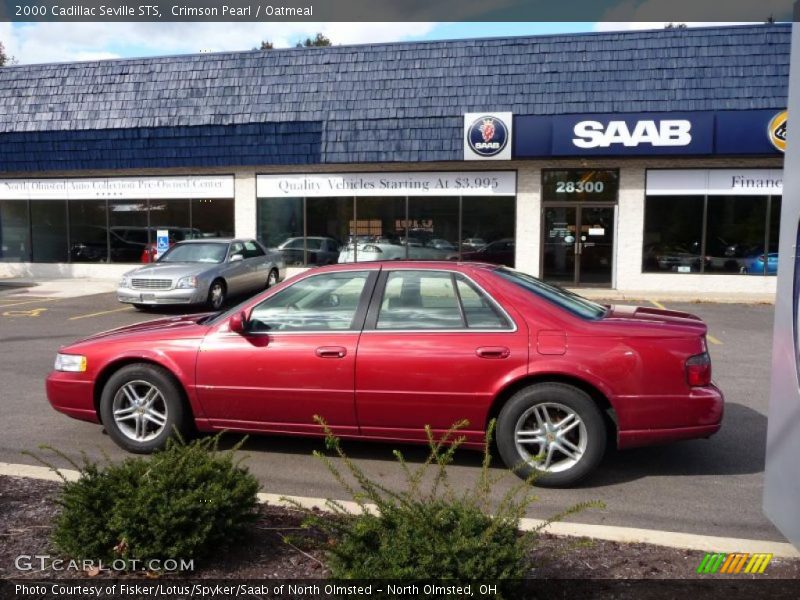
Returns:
<point x="577" y="305"/>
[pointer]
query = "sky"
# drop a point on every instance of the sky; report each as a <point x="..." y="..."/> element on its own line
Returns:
<point x="60" y="42"/>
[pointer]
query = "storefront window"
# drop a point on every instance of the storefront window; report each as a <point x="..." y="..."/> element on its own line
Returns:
<point x="14" y="231"/>
<point x="328" y="228"/>
<point x="128" y="230"/>
<point x="433" y="227"/>
<point x="49" y="230"/>
<point x="379" y="230"/>
<point x="673" y="234"/>
<point x="280" y="223"/>
<point x="172" y="215"/>
<point x="212" y="217"/>
<point x="487" y="229"/>
<point x="736" y="232"/>
<point x="88" y="234"/>
<point x="712" y="234"/>
<point x="361" y="229"/>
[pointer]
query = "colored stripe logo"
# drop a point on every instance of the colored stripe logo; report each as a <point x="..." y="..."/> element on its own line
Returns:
<point x="734" y="564"/>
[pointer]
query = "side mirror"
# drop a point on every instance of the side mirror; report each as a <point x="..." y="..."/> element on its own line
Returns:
<point x="236" y="258"/>
<point x="238" y="323"/>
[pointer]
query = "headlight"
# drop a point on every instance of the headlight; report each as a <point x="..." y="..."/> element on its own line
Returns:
<point x="186" y="282"/>
<point x="125" y="282"/>
<point x="70" y="362"/>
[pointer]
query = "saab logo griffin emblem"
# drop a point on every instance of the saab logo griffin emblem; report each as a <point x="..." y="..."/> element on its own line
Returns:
<point x="777" y="130"/>
<point x="734" y="564"/>
<point x="487" y="136"/>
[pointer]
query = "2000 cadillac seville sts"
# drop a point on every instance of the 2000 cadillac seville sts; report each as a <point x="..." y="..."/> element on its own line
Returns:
<point x="380" y="350"/>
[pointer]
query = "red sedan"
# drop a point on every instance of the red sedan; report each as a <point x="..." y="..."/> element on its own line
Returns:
<point x="380" y="350"/>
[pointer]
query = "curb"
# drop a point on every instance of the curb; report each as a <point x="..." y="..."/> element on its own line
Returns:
<point x="611" y="533"/>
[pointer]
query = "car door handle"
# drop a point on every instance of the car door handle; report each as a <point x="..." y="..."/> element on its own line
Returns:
<point x="493" y="352"/>
<point x="331" y="352"/>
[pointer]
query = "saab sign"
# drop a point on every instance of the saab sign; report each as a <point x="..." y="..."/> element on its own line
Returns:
<point x="747" y="132"/>
<point x="666" y="132"/>
<point x="487" y="136"/>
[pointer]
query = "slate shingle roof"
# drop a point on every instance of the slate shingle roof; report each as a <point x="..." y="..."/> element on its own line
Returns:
<point x="377" y="102"/>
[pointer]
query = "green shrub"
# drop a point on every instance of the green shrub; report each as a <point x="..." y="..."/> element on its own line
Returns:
<point x="183" y="502"/>
<point x="428" y="530"/>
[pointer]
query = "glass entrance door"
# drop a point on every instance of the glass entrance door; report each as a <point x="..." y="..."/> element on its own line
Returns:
<point x="578" y="244"/>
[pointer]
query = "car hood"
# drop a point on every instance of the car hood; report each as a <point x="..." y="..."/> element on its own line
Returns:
<point x="171" y="270"/>
<point x="168" y="326"/>
<point x="656" y="316"/>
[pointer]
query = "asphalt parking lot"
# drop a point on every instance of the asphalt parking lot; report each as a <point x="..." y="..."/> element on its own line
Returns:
<point x="710" y="487"/>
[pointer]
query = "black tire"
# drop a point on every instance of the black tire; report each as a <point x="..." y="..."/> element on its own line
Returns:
<point x="552" y="395"/>
<point x="272" y="278"/>
<point x="178" y="416"/>
<point x="216" y="302"/>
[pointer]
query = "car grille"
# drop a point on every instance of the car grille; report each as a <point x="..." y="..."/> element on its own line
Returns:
<point x="151" y="284"/>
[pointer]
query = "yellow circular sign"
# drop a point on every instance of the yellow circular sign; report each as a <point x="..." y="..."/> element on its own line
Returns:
<point x="777" y="131"/>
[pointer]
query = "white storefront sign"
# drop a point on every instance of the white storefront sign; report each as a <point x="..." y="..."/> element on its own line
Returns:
<point x="715" y="182"/>
<point x="92" y="188"/>
<point x="447" y="183"/>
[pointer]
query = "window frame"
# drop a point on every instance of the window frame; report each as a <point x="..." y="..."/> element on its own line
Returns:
<point x="370" y="324"/>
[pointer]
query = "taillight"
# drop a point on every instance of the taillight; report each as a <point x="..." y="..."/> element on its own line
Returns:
<point x="698" y="370"/>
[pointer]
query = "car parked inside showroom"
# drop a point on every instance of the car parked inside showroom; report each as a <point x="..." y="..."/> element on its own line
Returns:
<point x="311" y="250"/>
<point x="204" y="271"/>
<point x="381" y="350"/>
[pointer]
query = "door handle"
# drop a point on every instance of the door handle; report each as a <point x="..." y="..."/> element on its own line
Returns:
<point x="493" y="352"/>
<point x="331" y="352"/>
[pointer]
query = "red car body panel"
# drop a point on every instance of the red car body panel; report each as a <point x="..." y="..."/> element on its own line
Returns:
<point x="389" y="384"/>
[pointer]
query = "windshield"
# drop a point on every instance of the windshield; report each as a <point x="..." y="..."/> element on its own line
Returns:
<point x="574" y="303"/>
<point x="195" y="253"/>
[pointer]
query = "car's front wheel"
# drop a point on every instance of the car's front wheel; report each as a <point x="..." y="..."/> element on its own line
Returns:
<point x="141" y="407"/>
<point x="551" y="430"/>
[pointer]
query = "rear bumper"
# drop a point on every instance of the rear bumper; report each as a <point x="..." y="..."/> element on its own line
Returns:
<point x="698" y="415"/>
<point x="71" y="396"/>
<point x="652" y="437"/>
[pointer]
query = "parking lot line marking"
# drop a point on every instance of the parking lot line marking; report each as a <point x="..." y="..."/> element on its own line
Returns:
<point x="97" y="314"/>
<point x="658" y="304"/>
<point x="29" y="302"/>
<point x="713" y="340"/>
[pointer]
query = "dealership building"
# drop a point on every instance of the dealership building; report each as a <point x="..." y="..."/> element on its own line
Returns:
<point x="637" y="161"/>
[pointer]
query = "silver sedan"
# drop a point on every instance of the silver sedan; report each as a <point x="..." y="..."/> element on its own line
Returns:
<point x="203" y="271"/>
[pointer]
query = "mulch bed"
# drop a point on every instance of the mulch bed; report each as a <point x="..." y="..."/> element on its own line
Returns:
<point x="27" y="507"/>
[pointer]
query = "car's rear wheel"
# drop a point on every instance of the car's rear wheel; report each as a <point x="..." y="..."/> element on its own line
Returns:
<point x="216" y="294"/>
<point x="141" y="407"/>
<point x="272" y="278"/>
<point x="552" y="430"/>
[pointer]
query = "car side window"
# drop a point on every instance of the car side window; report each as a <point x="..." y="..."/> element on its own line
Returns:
<point x="236" y="248"/>
<point x="419" y="300"/>
<point x="252" y="250"/>
<point x="319" y="303"/>
<point x="479" y="311"/>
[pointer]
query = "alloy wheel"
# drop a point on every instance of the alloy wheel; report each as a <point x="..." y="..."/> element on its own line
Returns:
<point x="551" y="437"/>
<point x="140" y="411"/>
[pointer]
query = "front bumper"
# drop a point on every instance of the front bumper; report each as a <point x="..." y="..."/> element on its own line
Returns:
<point x="161" y="297"/>
<point x="71" y="395"/>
